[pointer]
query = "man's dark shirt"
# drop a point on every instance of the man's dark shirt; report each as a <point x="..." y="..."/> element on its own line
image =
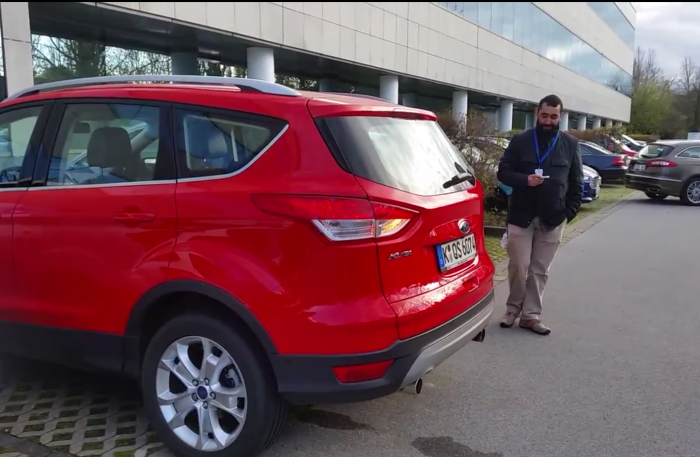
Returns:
<point x="558" y="198"/>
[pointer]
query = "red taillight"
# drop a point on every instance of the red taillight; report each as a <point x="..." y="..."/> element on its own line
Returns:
<point x="661" y="163"/>
<point x="364" y="372"/>
<point x="621" y="161"/>
<point x="338" y="218"/>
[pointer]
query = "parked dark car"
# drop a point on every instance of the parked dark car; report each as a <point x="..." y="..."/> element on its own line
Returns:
<point x="610" y="166"/>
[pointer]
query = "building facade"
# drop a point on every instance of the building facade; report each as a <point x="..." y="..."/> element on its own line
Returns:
<point x="500" y="56"/>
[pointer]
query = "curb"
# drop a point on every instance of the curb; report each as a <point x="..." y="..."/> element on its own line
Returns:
<point x="571" y="232"/>
<point x="492" y="230"/>
<point x="22" y="446"/>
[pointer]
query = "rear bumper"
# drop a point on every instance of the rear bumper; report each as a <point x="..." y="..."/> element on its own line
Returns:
<point x="310" y="379"/>
<point x="656" y="185"/>
<point x="612" y="173"/>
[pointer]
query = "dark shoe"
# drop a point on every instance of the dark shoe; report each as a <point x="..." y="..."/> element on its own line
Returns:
<point x="508" y="319"/>
<point x="536" y="326"/>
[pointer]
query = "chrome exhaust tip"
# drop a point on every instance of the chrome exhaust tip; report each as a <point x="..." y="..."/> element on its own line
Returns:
<point x="414" y="389"/>
<point x="480" y="337"/>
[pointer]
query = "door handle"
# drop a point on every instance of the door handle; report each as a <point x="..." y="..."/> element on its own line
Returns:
<point x="134" y="217"/>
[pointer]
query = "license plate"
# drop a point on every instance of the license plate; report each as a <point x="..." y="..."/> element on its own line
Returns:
<point x="456" y="252"/>
<point x="639" y="167"/>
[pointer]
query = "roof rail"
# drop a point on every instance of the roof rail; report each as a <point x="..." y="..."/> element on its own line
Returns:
<point x="370" y="97"/>
<point x="247" y="83"/>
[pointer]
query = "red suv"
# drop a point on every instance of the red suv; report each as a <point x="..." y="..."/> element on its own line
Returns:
<point x="237" y="246"/>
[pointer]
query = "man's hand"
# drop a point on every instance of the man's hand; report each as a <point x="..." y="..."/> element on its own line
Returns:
<point x="534" y="180"/>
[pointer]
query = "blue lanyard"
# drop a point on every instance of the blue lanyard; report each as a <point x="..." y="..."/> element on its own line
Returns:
<point x="537" y="148"/>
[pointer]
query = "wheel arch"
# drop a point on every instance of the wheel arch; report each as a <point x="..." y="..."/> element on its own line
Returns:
<point x="169" y="298"/>
<point x="691" y="178"/>
<point x="686" y="182"/>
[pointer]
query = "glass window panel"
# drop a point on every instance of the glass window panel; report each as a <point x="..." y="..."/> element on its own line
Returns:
<point x="508" y="20"/>
<point x="528" y="26"/>
<point x="518" y="23"/>
<point x="485" y="15"/>
<point x="471" y="11"/>
<point x="497" y="18"/>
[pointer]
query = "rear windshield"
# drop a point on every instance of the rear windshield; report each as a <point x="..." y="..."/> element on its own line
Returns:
<point x="652" y="151"/>
<point x="410" y="155"/>
<point x="595" y="149"/>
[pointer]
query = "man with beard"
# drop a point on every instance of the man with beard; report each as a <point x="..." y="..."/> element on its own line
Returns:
<point x="543" y="166"/>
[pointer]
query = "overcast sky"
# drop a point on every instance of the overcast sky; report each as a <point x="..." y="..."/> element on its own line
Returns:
<point x="672" y="29"/>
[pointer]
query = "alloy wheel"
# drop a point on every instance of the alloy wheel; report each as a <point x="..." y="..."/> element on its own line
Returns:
<point x="201" y="393"/>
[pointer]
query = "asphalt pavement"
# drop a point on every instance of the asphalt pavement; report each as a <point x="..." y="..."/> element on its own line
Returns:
<point x="617" y="377"/>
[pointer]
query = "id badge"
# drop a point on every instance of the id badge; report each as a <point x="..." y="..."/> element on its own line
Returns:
<point x="538" y="172"/>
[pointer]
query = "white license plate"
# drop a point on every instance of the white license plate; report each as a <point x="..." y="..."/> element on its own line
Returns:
<point x="456" y="252"/>
<point x="639" y="167"/>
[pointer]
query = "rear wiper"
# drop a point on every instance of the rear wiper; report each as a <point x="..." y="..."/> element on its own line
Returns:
<point x="458" y="179"/>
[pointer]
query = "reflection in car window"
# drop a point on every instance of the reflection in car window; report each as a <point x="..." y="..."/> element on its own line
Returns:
<point x="652" y="151"/>
<point x="105" y="144"/>
<point x="410" y="155"/>
<point x="211" y="144"/>
<point x="16" y="129"/>
<point x="691" y="153"/>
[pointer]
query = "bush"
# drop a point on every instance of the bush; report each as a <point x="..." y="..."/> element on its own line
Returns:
<point x="478" y="143"/>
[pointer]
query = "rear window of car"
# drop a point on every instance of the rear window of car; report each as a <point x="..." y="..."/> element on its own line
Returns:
<point x="410" y="155"/>
<point x="652" y="151"/>
<point x="594" y="148"/>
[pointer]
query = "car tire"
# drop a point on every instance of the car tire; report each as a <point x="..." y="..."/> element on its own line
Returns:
<point x="694" y="185"/>
<point x="655" y="196"/>
<point x="264" y="411"/>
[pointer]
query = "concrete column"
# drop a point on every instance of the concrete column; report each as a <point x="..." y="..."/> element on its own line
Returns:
<point x="261" y="64"/>
<point x="460" y="106"/>
<point x="491" y="119"/>
<point x="596" y="123"/>
<point x="17" y="47"/>
<point x="184" y="63"/>
<point x="327" y="85"/>
<point x="410" y="100"/>
<point x="582" y="118"/>
<point x="530" y="121"/>
<point x="608" y="123"/>
<point x="389" y="88"/>
<point x="564" y="121"/>
<point x="505" y="116"/>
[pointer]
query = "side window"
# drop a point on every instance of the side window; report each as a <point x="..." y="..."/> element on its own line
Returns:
<point x="100" y="143"/>
<point x="690" y="153"/>
<point x="584" y="150"/>
<point x="210" y="144"/>
<point x="16" y="128"/>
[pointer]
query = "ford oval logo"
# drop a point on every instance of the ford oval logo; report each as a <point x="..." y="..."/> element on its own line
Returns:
<point x="463" y="226"/>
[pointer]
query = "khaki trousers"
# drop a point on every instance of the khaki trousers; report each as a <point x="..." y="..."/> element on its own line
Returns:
<point x="531" y="252"/>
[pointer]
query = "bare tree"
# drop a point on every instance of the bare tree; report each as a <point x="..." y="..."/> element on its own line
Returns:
<point x="687" y="81"/>
<point x="646" y="68"/>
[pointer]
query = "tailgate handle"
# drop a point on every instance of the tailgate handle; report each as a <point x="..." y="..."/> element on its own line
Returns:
<point x="471" y="283"/>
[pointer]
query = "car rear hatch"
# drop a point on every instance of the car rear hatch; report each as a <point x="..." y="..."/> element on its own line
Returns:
<point x="431" y="248"/>
<point x="652" y="161"/>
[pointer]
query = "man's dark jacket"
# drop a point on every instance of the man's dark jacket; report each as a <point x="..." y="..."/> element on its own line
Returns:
<point x="558" y="198"/>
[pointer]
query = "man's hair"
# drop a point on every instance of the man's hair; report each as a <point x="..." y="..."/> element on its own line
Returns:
<point x="551" y="100"/>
